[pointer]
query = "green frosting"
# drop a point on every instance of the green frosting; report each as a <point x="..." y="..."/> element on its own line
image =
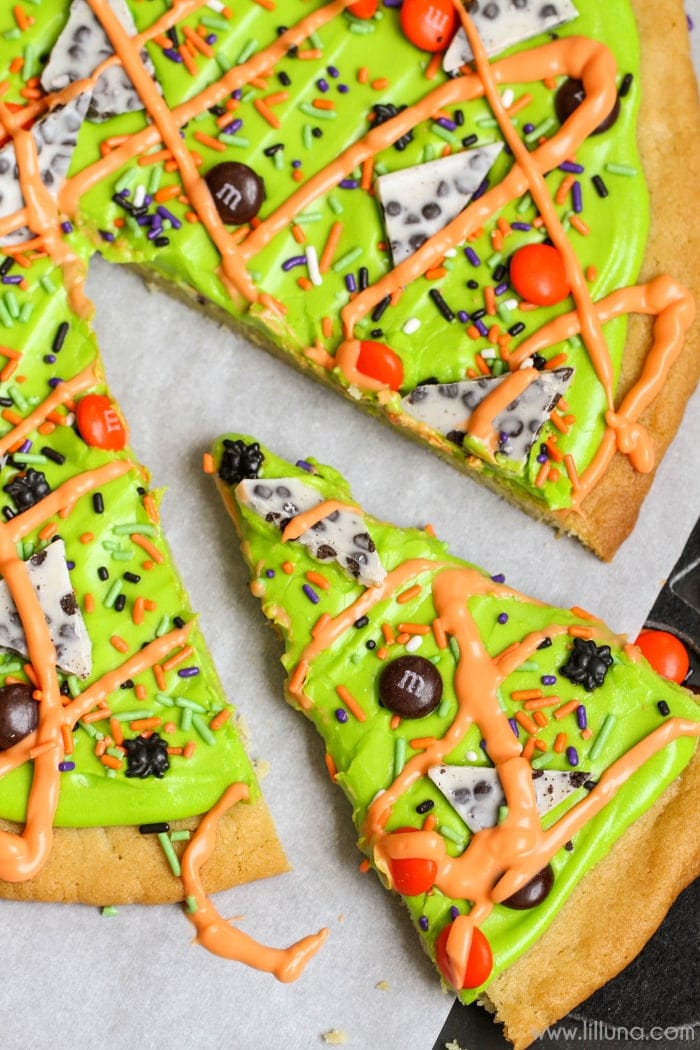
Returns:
<point x="366" y="753"/>
<point x="308" y="139"/>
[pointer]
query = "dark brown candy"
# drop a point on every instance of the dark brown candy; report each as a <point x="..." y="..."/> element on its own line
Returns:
<point x="570" y="96"/>
<point x="533" y="892"/>
<point x="410" y="687"/>
<point x="237" y="191"/>
<point x="19" y="713"/>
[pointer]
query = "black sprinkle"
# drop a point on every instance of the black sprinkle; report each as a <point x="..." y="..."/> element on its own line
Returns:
<point x="517" y="328"/>
<point x="103" y="572"/>
<point x="590" y="784"/>
<point x="380" y="308"/>
<point x="6" y="266"/>
<point x="178" y="622"/>
<point x="132" y="577"/>
<point x="569" y="846"/>
<point x="478" y="314"/>
<point x="172" y="33"/>
<point x="98" y="503"/>
<point x="284" y="78"/>
<point x="472" y="284"/>
<point x="470" y="140"/>
<point x="599" y="186"/>
<point x="371" y="644"/>
<point x="53" y="455"/>
<point x="270" y="151"/>
<point x="377" y="333"/>
<point x="545" y="643"/>
<point x="161" y="242"/>
<point x="128" y="684"/>
<point x="119" y="603"/>
<point x="441" y="304"/>
<point x="625" y="85"/>
<point x="361" y="621"/>
<point x="160" y="828"/>
<point x="317" y="133"/>
<point x="363" y="278"/>
<point x="6" y="402"/>
<point x="141" y="490"/>
<point x="217" y="111"/>
<point x="663" y="707"/>
<point x="458" y="117"/>
<point x="499" y="273"/>
<point x="8" y="513"/>
<point x="425" y="807"/>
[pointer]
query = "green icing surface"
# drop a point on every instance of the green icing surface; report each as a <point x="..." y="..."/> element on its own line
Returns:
<point x="307" y="142"/>
<point x="364" y="753"/>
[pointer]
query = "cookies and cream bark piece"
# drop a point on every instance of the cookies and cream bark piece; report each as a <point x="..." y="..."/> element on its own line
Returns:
<point x="503" y="23"/>
<point x="420" y="200"/>
<point x="503" y="758"/>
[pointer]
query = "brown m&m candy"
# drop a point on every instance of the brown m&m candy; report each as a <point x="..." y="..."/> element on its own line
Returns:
<point x="533" y="892"/>
<point x="410" y="687"/>
<point x="570" y="96"/>
<point x="237" y="191"/>
<point x="19" y="713"/>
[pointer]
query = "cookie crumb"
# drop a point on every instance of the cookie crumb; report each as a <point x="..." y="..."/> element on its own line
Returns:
<point x="382" y="986"/>
<point x="335" y="1037"/>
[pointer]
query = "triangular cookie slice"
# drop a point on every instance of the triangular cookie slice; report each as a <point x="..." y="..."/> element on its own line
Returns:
<point x="503" y="23"/>
<point x="442" y="670"/>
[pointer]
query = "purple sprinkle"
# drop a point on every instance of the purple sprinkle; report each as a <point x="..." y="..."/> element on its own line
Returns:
<point x="581" y="717"/>
<point x="322" y="84"/>
<point x="577" y="197"/>
<point x="514" y="726"/>
<point x="499" y="577"/>
<point x="188" y="672"/>
<point x="12" y="278"/>
<point x="454" y="910"/>
<point x="571" y="167"/>
<point x="527" y="128"/>
<point x="548" y="679"/>
<point x="270" y="573"/>
<point x="448" y="125"/>
<point x="237" y="94"/>
<point x="348" y="184"/>
<point x="148" y="200"/>
<point x="295" y="260"/>
<point x="472" y="256"/>
<point x="523" y="226"/>
<point x="572" y="756"/>
<point x="66" y="767"/>
<point x="54" y="381"/>
<point x="49" y="359"/>
<point x="25" y="447"/>
<point x="542" y="458"/>
<point x="310" y="593"/>
<point x="107" y="235"/>
<point x="234" y="126"/>
<point x="144" y="220"/>
<point x="503" y="437"/>
<point x="174" y="56"/>
<point x="305" y="466"/>
<point x="481" y="327"/>
<point x="423" y="923"/>
<point x="462" y="316"/>
<point x="296" y="163"/>
<point x="332" y="72"/>
<point x="343" y="89"/>
<point x="211" y="39"/>
<point x="341" y="714"/>
<point x="480" y="190"/>
<point x="67" y="227"/>
<point x="501" y="288"/>
<point x="350" y="283"/>
<point x="503" y="617"/>
<point x="169" y="217"/>
<point x="70" y="565"/>
<point x="155" y="231"/>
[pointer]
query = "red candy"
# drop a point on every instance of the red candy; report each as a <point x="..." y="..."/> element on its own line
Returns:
<point x="429" y="24"/>
<point x="479" y="963"/>
<point x="666" y="654"/>
<point x="363" y="8"/>
<point x="412" y="875"/>
<point x="99" y="423"/>
<point x="537" y="273"/>
<point x="380" y="362"/>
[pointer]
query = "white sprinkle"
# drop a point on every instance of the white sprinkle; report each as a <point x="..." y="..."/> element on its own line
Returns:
<point x="488" y="353"/>
<point x="507" y="98"/>
<point x="450" y="253"/>
<point x="410" y="326"/>
<point x="413" y="643"/>
<point x="312" y="265"/>
<point x="215" y="5"/>
<point x="139" y="196"/>
<point x="471" y="756"/>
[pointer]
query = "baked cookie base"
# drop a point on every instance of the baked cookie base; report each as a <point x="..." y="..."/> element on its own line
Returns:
<point x="119" y="865"/>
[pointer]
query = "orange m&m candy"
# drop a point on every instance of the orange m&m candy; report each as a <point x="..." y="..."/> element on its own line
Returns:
<point x="429" y="24"/>
<point x="99" y="423"/>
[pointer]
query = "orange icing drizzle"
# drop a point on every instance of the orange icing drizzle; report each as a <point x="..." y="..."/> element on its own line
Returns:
<point x="219" y="936"/>
<point x="300" y="523"/>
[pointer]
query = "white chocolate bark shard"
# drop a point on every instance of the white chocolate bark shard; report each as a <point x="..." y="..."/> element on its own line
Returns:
<point x="48" y="573"/>
<point x="340" y="537"/>
<point x="421" y="200"/>
<point x="446" y="407"/>
<point x="475" y="792"/>
<point x="81" y="47"/>
<point x="502" y="23"/>
<point x="55" y="137"/>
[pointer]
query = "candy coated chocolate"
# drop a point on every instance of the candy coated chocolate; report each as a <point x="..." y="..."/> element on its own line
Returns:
<point x="237" y="191"/>
<point x="533" y="892"/>
<point x="19" y="713"/>
<point x="570" y="96"/>
<point x="410" y="687"/>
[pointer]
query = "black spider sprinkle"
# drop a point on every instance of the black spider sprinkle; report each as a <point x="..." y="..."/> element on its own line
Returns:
<point x="146" y="756"/>
<point x="27" y="489"/>
<point x="239" y="461"/>
<point x="384" y="111"/>
<point x="588" y="664"/>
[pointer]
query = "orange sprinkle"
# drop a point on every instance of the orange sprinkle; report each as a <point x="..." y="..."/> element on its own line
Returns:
<point x="559" y="743"/>
<point x="197" y="42"/>
<point x="151" y="508"/>
<point x="310" y="53"/>
<point x="364" y="866"/>
<point x="367" y="169"/>
<point x="145" y="544"/>
<point x="8" y="370"/>
<point x="591" y="273"/>
<point x="414" y="628"/>
<point x="564" y="189"/>
<point x="178" y="658"/>
<point x="541" y="719"/>
<point x="583" y="614"/>
<point x="330" y="246"/>
<point x="529" y="749"/>
<point x="388" y="633"/>
<point x="287" y="568"/>
<point x="351" y="703"/>
<point x="298" y="233"/>
<point x="402" y="638"/>
<point x="149" y="605"/>
<point x="145" y="723"/>
<point x="11" y="416"/>
<point x="519" y="103"/>
<point x="380" y="83"/>
<point x="559" y="423"/>
<point x="482" y="365"/>
<point x="540" y="745"/>
<point x="68" y="742"/>
<point x="544" y="701"/>
<point x="407" y="595"/>
<point x="525" y="694"/>
<point x="298" y="677"/>
<point x="140" y="691"/>
<point x="439" y="633"/>
<point x="382" y="652"/>
<point x="159" y="676"/>
<point x="189" y="749"/>
<point x="155" y="158"/>
<point x="137" y="611"/>
<point x="208" y="140"/>
<point x="323" y="103"/>
<point x="276" y="98"/>
<point x="332" y="772"/>
<point x="362" y="75"/>
<point x="318" y="579"/>
<point x="208" y="465"/>
<point x="119" y="644"/>
<point x="96" y="716"/>
<point x="572" y="471"/>
<point x="89" y="603"/>
<point x="111" y="762"/>
<point x="526" y="722"/>
<point x="326" y="327"/>
<point x="174" y="750"/>
<point x="579" y="225"/>
<point x="298" y="175"/>
<point x="473" y="332"/>
<point x="579" y="631"/>
<point x="266" y="113"/>
<point x="87" y="537"/>
<point x="115" y="728"/>
<point x="220" y="719"/>
<point x="422" y="743"/>
<point x="394" y="721"/>
<point x="304" y="283"/>
<point x="48" y="531"/>
<point x="490" y="300"/>
<point x="566" y="709"/>
<point x="431" y="70"/>
<point x="554" y="453"/>
<point x="16" y="64"/>
<point x="188" y="61"/>
<point x="320" y="625"/>
<point x="435" y="273"/>
<point x="586" y="733"/>
<point x="557" y="360"/>
<point x="542" y="475"/>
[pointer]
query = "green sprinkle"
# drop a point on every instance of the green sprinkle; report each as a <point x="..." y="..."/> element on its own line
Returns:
<point x="443" y="708"/>
<point x="621" y="169"/>
<point x="191" y="905"/>
<point x="125" y="180"/>
<point x="110" y="773"/>
<point x="213" y="22"/>
<point x="602" y="737"/>
<point x="498" y="367"/>
<point x="346" y="260"/>
<point x="10" y="666"/>
<point x="524" y="203"/>
<point x="307" y="137"/>
<point x="12" y="305"/>
<point x="108" y="911"/>
<point x="29" y="457"/>
<point x="399" y="755"/>
<point x="47" y="284"/>
<point x="315" y="41"/>
<point x="502" y="814"/>
<point x="192" y="705"/>
<point x="110" y="545"/>
<point x="528" y="665"/>
<point x="132" y="716"/>
<point x="73" y="686"/>
<point x="247" y="51"/>
<point x="308" y="216"/>
<point x="234" y="140"/>
<point x="26" y="312"/>
<point x="29" y="67"/>
<point x="493" y="260"/>
<point x="429" y="153"/>
<point x="163" y="627"/>
<point x="19" y="400"/>
<point x="112" y="594"/>
<point x="155" y="178"/>
<point x="170" y="854"/>
<point x="486" y="122"/>
<point x="223" y="61"/>
<point x="186" y="719"/>
<point x="115" y="753"/>
<point x="165" y="700"/>
<point x="449" y="833"/>
<point x="543" y="128"/>
<point x="180" y="836"/>
<point x="335" y="205"/>
<point x="12" y="34"/>
<point x="203" y="729"/>
<point x="454" y="646"/>
<point x="278" y="159"/>
<point x="134" y="526"/>
<point x="444" y="133"/>
<point x="317" y="114"/>
<point x="120" y="555"/>
<point x="91" y="731"/>
<point x="361" y="28"/>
